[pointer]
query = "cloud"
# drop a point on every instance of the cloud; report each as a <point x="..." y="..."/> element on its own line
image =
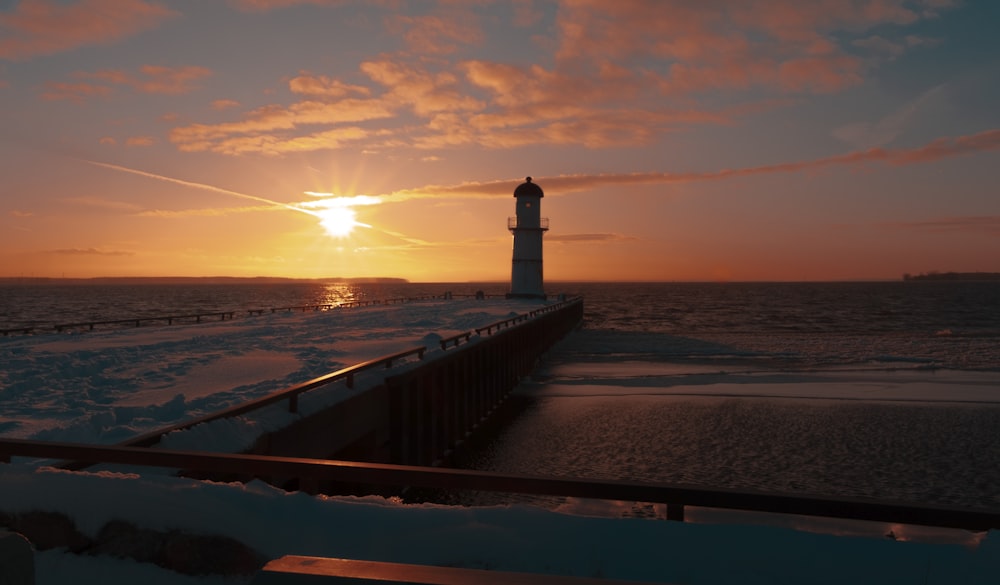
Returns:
<point x="785" y="45"/>
<point x="269" y="129"/>
<point x="206" y="212"/>
<point x="225" y="104"/>
<point x="74" y="92"/>
<point x="608" y="74"/>
<point x="44" y="27"/>
<point x="894" y="49"/>
<point x="526" y="14"/>
<point x="268" y="5"/>
<point x="885" y="130"/>
<point x="88" y="252"/>
<point x="167" y="80"/>
<point x="101" y="203"/>
<point x="151" y="79"/>
<point x="320" y="85"/>
<point x="191" y="184"/>
<point x="416" y="87"/>
<point x="586" y="238"/>
<point x="437" y="34"/>
<point x="140" y="141"/>
<point x="19" y="213"/>
<point x="939" y="149"/>
<point x="988" y="224"/>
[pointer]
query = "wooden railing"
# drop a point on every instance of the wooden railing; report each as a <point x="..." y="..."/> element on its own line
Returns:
<point x="675" y="496"/>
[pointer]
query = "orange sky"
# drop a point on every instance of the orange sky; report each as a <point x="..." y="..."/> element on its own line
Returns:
<point x="744" y="140"/>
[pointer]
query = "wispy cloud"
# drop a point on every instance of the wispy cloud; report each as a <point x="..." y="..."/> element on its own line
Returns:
<point x="102" y="203"/>
<point x="320" y="206"/>
<point x="150" y="79"/>
<point x="194" y="185"/>
<point x="44" y="27"/>
<point x="438" y="34"/>
<point x="206" y="212"/>
<point x="889" y="127"/>
<point x="88" y="252"/>
<point x="988" y="224"/>
<point x="74" y="92"/>
<point x="267" y="5"/>
<point x="140" y="141"/>
<point x="588" y="238"/>
<point x="225" y="104"/>
<point x="320" y="85"/>
<point x="939" y="149"/>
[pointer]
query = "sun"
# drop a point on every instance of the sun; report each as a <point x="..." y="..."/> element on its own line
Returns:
<point x="336" y="214"/>
<point x="338" y="222"/>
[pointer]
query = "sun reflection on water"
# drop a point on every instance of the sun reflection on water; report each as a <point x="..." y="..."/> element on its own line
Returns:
<point x="339" y="293"/>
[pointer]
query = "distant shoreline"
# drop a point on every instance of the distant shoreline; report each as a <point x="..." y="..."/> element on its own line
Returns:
<point x="118" y="280"/>
<point x="951" y="276"/>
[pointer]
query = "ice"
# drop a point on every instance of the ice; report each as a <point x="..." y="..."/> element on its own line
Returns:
<point x="107" y="386"/>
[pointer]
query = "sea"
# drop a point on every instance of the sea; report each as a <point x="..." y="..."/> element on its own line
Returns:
<point x="939" y="451"/>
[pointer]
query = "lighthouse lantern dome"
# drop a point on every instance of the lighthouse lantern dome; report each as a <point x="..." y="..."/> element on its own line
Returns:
<point x="528" y="189"/>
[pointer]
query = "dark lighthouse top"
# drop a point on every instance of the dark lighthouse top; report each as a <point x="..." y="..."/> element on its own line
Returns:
<point x="528" y="189"/>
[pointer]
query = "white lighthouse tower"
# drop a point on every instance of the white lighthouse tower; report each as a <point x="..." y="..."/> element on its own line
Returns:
<point x="527" y="226"/>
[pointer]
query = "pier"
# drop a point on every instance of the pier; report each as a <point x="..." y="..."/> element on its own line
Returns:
<point x="403" y="416"/>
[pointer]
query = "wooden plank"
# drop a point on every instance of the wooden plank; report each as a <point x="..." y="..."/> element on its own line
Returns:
<point x="355" y="572"/>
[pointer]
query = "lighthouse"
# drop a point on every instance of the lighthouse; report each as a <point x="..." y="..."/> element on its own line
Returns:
<point x="527" y="226"/>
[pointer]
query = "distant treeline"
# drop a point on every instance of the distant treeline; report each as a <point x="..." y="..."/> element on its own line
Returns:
<point x="953" y="276"/>
<point x="198" y="280"/>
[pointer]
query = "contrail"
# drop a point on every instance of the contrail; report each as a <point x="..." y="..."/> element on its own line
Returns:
<point x="202" y="186"/>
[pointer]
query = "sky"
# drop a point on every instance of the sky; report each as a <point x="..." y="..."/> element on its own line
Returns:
<point x="674" y="140"/>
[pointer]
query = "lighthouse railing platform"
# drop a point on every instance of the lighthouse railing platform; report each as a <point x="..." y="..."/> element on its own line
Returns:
<point x="512" y="224"/>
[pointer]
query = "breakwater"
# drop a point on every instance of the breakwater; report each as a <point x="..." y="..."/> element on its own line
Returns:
<point x="420" y="415"/>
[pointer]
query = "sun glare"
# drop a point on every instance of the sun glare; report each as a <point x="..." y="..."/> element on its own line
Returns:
<point x="336" y="214"/>
<point x="338" y="222"/>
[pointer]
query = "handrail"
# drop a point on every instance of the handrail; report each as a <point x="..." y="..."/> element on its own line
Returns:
<point x="169" y="319"/>
<point x="675" y="496"/>
<point x="139" y="320"/>
<point x="292" y="393"/>
<point x="455" y="339"/>
<point x="525" y="316"/>
<point x="21" y="330"/>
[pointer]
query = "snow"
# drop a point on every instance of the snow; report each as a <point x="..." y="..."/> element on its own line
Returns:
<point x="106" y="386"/>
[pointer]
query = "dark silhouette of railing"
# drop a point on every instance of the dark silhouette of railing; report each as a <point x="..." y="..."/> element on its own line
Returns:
<point x="675" y="496"/>
<point x="224" y="315"/>
<point x="138" y="321"/>
<point x="434" y="406"/>
<point x="347" y="374"/>
<point x="290" y="394"/>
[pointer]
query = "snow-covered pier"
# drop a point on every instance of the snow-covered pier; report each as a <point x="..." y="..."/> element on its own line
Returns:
<point x="137" y="376"/>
